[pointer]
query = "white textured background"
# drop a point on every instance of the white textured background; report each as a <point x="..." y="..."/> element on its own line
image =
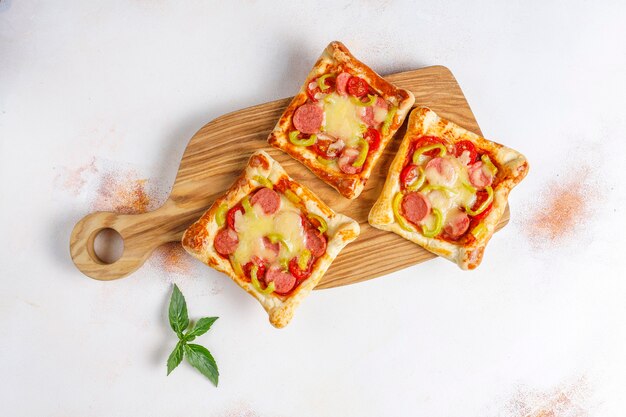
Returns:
<point x="119" y="87"/>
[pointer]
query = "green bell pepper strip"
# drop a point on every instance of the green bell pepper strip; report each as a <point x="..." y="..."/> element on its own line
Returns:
<point x="293" y="138"/>
<point x="291" y="196"/>
<point x="484" y="205"/>
<point x="371" y="102"/>
<point x="320" y="81"/>
<point x="245" y="202"/>
<point x="388" y="120"/>
<point x="220" y="214"/>
<point x="256" y="284"/>
<point x="419" y="181"/>
<point x="438" y="225"/>
<point x="395" y="206"/>
<point x="323" y="225"/>
<point x="447" y="191"/>
<point x="303" y="259"/>
<point x="479" y="231"/>
<point x="365" y="148"/>
<point x="490" y="166"/>
<point x="325" y="161"/>
<point x="277" y="237"/>
<point x="419" y="152"/>
<point x="236" y="266"/>
<point x="263" y="181"/>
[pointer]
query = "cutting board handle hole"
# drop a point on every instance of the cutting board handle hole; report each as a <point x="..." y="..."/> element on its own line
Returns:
<point x="108" y="246"/>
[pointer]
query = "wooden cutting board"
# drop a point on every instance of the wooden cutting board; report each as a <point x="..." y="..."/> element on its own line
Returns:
<point x="218" y="152"/>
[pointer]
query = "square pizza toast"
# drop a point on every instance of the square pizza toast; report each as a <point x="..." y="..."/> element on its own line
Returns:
<point x="271" y="235"/>
<point x="447" y="188"/>
<point x="341" y="120"/>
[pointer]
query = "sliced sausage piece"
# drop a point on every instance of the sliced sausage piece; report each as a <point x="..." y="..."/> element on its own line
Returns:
<point x="308" y="118"/>
<point x="456" y="225"/>
<point x="342" y="81"/>
<point x="347" y="158"/>
<point x="271" y="249"/>
<point x="367" y="115"/>
<point x="440" y="171"/>
<point x="226" y="241"/>
<point x="382" y="103"/>
<point x="283" y="281"/>
<point x="415" y="207"/>
<point x="315" y="242"/>
<point x="268" y="199"/>
<point x="479" y="176"/>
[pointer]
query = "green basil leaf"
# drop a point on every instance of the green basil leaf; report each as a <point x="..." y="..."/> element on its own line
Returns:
<point x="200" y="358"/>
<point x="202" y="326"/>
<point x="176" y="357"/>
<point x="179" y="320"/>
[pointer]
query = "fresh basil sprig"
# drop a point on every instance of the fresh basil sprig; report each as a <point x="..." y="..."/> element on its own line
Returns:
<point x="198" y="356"/>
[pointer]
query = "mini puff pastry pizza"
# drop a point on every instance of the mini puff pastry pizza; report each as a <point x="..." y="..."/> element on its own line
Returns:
<point x="341" y="120"/>
<point x="271" y="235"/>
<point x="447" y="188"/>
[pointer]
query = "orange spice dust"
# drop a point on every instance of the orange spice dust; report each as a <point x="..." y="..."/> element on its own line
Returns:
<point x="240" y="410"/>
<point x="567" y="400"/>
<point x="565" y="205"/>
<point x="122" y="193"/>
<point x="172" y="258"/>
<point x="74" y="180"/>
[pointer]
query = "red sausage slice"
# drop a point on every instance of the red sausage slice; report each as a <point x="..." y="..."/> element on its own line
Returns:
<point x="368" y="116"/>
<point x="268" y="199"/>
<point x="415" y="207"/>
<point x="274" y="247"/>
<point x="478" y="176"/>
<point x="271" y="249"/>
<point x="226" y="241"/>
<point x="457" y="225"/>
<point x="315" y="242"/>
<point x="342" y="81"/>
<point x="283" y="281"/>
<point x="444" y="169"/>
<point x="368" y="112"/>
<point x="347" y="158"/>
<point x="308" y="118"/>
<point x="382" y="103"/>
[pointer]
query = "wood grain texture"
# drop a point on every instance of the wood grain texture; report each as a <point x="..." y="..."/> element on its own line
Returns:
<point x="217" y="153"/>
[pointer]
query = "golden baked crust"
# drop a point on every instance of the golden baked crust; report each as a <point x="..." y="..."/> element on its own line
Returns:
<point x="199" y="237"/>
<point x="336" y="58"/>
<point x="512" y="168"/>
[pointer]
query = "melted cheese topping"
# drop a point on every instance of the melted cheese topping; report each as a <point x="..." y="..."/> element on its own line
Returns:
<point x="456" y="179"/>
<point x="253" y="226"/>
<point x="380" y="114"/>
<point x="342" y="118"/>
